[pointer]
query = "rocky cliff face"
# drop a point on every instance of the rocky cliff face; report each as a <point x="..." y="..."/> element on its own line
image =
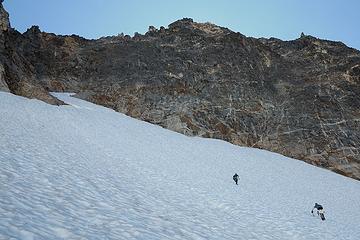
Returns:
<point x="4" y="26"/>
<point x="17" y="73"/>
<point x="300" y="98"/>
<point x="4" y="18"/>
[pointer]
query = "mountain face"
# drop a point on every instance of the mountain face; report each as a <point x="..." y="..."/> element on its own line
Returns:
<point x="299" y="98"/>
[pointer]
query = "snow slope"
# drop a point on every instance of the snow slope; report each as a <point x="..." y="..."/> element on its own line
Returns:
<point x="86" y="172"/>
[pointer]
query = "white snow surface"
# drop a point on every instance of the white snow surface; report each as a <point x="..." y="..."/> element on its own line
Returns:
<point x="82" y="171"/>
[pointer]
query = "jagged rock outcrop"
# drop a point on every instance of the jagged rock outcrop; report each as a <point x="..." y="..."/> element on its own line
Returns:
<point x="300" y="98"/>
<point x="4" y="18"/>
<point x="17" y="73"/>
<point x="4" y="26"/>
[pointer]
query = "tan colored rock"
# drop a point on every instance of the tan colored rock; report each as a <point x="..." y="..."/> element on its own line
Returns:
<point x="3" y="85"/>
<point x="4" y="18"/>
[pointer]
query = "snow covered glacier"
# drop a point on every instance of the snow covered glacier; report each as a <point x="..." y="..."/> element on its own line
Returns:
<point x="82" y="171"/>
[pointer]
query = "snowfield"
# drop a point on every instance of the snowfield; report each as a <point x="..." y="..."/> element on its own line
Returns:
<point x="83" y="171"/>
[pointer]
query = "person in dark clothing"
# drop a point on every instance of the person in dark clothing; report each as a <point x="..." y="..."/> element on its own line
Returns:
<point x="318" y="207"/>
<point x="236" y="178"/>
<point x="319" y="210"/>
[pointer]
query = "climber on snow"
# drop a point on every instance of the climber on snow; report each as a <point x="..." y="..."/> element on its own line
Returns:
<point x="319" y="210"/>
<point x="236" y="178"/>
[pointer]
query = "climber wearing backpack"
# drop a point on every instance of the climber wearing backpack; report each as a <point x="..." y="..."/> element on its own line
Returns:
<point x="319" y="210"/>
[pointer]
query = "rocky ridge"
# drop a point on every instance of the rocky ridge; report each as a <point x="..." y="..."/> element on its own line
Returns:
<point x="299" y="98"/>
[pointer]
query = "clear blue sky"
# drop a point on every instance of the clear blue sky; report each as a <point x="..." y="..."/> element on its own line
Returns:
<point x="285" y="19"/>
